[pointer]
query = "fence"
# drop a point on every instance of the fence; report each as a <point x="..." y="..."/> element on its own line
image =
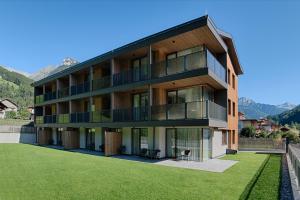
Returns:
<point x="294" y="154"/>
<point x="262" y="144"/>
<point x="17" y="134"/>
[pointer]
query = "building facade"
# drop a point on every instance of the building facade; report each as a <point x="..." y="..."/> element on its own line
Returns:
<point x="172" y="91"/>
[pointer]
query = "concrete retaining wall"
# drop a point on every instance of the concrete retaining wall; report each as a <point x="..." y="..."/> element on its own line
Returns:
<point x="28" y="138"/>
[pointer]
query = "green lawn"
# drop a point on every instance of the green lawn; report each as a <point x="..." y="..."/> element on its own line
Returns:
<point x="32" y="172"/>
<point x="268" y="184"/>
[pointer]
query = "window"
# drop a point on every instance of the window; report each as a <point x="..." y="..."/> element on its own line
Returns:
<point x="229" y="107"/>
<point x="228" y="77"/>
<point x="233" y="136"/>
<point x="233" y="81"/>
<point x="224" y="137"/>
<point x="233" y="109"/>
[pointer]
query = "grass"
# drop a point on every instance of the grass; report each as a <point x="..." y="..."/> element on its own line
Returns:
<point x="267" y="185"/>
<point x="32" y="172"/>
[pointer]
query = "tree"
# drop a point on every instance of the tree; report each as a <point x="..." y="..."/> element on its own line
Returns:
<point x="248" y="131"/>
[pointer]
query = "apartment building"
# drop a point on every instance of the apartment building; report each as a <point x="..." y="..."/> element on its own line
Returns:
<point x="172" y="91"/>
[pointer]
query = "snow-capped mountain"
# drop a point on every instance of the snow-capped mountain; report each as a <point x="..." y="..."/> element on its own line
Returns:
<point x="287" y="105"/>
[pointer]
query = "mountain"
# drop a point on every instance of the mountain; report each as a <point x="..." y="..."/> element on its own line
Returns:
<point x="255" y="110"/>
<point x="52" y="69"/>
<point x="287" y="105"/>
<point x="16" y="86"/>
<point x="288" y="117"/>
<point x="42" y="73"/>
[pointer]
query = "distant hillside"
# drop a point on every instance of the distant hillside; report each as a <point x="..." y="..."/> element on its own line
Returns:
<point x="288" y="117"/>
<point x="16" y="87"/>
<point x="258" y="110"/>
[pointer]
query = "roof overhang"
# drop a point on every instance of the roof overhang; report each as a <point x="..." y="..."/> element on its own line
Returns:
<point x="232" y="52"/>
<point x="200" y="22"/>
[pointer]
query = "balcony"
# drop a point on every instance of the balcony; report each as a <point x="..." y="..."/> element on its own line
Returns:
<point x="80" y="88"/>
<point x="64" y="92"/>
<point x="63" y="118"/>
<point x="101" y="83"/>
<point x="39" y="99"/>
<point x="131" y="76"/>
<point x="49" y="119"/>
<point x="131" y="114"/>
<point x="188" y="111"/>
<point x="197" y="60"/>
<point x="101" y="116"/>
<point x="80" y="117"/>
<point x="49" y="96"/>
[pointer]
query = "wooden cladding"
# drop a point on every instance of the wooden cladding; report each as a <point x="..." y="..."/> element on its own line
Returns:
<point x="44" y="137"/>
<point x="113" y="142"/>
<point x="70" y="139"/>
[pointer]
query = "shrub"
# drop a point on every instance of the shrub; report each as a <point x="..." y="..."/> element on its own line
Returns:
<point x="10" y="114"/>
<point x="248" y="131"/>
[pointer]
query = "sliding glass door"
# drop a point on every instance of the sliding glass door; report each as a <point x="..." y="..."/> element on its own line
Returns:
<point x="180" y="139"/>
<point x="207" y="146"/>
<point x="139" y="140"/>
<point x="171" y="143"/>
<point x="140" y="106"/>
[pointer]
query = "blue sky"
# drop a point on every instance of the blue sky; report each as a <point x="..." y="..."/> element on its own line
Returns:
<point x="35" y="34"/>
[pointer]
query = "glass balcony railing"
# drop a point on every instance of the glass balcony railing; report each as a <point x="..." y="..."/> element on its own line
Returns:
<point x="215" y="66"/>
<point x="80" y="117"/>
<point x="64" y="92"/>
<point x="63" y="118"/>
<point x="190" y="110"/>
<point x="50" y="119"/>
<point x="101" y="116"/>
<point x="80" y="88"/>
<point x="39" y="119"/>
<point x="131" y="76"/>
<point x="131" y="114"/>
<point x="197" y="60"/>
<point x="49" y="96"/>
<point x="39" y="99"/>
<point x="101" y="83"/>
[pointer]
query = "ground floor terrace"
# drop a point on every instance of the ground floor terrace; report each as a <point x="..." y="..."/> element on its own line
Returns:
<point x="188" y="143"/>
<point x="34" y="172"/>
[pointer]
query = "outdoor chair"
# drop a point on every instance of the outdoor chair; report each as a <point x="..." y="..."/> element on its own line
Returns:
<point x="156" y="154"/>
<point x="185" y="155"/>
<point x="143" y="152"/>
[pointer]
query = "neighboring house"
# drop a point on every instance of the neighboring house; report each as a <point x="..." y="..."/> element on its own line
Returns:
<point x="259" y="125"/>
<point x="7" y="105"/>
<point x="249" y="122"/>
<point x="172" y="91"/>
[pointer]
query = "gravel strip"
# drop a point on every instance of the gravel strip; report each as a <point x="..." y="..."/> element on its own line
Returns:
<point x="286" y="192"/>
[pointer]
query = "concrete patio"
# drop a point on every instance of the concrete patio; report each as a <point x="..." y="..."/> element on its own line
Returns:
<point x="213" y="165"/>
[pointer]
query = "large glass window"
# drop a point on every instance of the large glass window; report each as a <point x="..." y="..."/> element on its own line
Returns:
<point x="139" y="140"/>
<point x="180" y="139"/>
<point x="140" y="106"/>
<point x="140" y="69"/>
